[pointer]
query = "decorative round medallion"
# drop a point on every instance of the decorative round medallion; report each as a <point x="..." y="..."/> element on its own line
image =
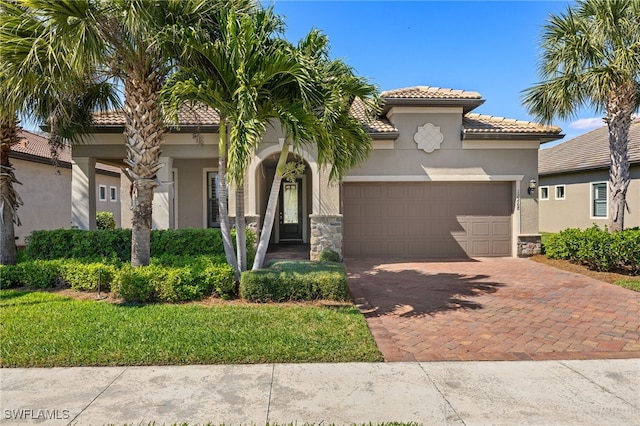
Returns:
<point x="428" y="137"/>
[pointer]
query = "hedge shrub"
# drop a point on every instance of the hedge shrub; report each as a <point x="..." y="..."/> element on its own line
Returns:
<point x="114" y="245"/>
<point x="596" y="248"/>
<point x="86" y="276"/>
<point x="39" y="274"/>
<point x="290" y="280"/>
<point x="329" y="256"/>
<point x="194" y="280"/>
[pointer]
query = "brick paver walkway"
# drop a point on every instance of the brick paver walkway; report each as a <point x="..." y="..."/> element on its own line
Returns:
<point x="493" y="309"/>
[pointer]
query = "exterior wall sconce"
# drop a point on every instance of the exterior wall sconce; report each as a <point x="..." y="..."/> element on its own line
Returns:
<point x="532" y="186"/>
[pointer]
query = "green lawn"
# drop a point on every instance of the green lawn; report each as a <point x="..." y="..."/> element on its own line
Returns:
<point x="630" y="283"/>
<point x="40" y="329"/>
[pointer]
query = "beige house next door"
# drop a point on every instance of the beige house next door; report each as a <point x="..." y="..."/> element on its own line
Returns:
<point x="427" y="219"/>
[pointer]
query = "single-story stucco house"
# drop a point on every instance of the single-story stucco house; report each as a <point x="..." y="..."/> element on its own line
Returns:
<point x="46" y="191"/>
<point x="441" y="181"/>
<point x="573" y="189"/>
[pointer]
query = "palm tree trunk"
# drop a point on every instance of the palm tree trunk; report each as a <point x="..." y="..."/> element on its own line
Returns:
<point x="9" y="198"/>
<point x="141" y="230"/>
<point x="222" y="196"/>
<point x="144" y="131"/>
<point x="241" y="229"/>
<point x="618" y="122"/>
<point x="270" y="213"/>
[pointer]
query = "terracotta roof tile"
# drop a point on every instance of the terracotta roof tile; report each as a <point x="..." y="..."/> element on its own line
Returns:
<point x="35" y="145"/>
<point x="428" y="92"/>
<point x="588" y="151"/>
<point x="199" y="116"/>
<point x="377" y="125"/>
<point x="477" y="123"/>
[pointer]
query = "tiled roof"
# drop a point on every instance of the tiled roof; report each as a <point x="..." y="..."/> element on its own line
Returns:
<point x="199" y="116"/>
<point x="588" y="151"/>
<point x="428" y="92"/>
<point x="379" y="125"/>
<point x="37" y="146"/>
<point x="477" y="123"/>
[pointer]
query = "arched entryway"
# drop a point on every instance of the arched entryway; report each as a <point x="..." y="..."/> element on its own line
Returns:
<point x="298" y="198"/>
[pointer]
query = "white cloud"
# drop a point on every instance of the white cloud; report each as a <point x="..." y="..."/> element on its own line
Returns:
<point x="587" y="123"/>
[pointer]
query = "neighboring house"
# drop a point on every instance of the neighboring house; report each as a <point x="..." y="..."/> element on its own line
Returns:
<point x="440" y="181"/>
<point x="46" y="190"/>
<point x="573" y="190"/>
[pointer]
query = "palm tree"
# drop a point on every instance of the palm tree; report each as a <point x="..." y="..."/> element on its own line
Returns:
<point x="35" y="86"/>
<point x="120" y="37"/>
<point x="238" y="75"/>
<point x="325" y="120"/>
<point x="591" y="57"/>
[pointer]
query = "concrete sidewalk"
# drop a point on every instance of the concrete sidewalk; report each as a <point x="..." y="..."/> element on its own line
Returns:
<point x="599" y="392"/>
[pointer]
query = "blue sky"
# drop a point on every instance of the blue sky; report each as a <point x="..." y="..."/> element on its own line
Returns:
<point x="491" y="47"/>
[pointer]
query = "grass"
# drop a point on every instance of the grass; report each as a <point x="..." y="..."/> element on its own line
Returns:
<point x="630" y="283"/>
<point x="40" y="329"/>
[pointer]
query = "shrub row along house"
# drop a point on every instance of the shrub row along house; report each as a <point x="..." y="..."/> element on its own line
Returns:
<point x="46" y="190"/>
<point x="574" y="175"/>
<point x="441" y="181"/>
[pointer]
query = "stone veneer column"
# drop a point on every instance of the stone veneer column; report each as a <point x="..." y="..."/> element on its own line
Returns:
<point x="83" y="193"/>
<point x="326" y="234"/>
<point x="528" y="245"/>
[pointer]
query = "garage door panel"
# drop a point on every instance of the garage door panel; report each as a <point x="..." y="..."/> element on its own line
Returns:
<point x="432" y="219"/>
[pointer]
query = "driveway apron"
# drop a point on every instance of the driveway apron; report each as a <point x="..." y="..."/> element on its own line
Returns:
<point x="492" y="309"/>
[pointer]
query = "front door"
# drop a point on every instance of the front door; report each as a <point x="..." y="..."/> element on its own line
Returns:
<point x="291" y="211"/>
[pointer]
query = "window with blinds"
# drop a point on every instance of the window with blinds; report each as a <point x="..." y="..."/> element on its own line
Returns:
<point x="599" y="197"/>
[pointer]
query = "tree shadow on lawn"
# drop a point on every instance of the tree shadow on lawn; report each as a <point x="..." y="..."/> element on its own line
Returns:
<point x="411" y="293"/>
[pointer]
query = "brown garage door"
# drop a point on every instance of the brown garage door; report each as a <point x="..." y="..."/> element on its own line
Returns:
<point x="427" y="219"/>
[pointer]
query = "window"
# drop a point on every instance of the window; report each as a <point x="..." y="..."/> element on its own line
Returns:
<point x="560" y="192"/>
<point x="113" y="193"/>
<point x="102" y="193"/>
<point x="544" y="192"/>
<point x="212" y="202"/>
<point x="599" y="205"/>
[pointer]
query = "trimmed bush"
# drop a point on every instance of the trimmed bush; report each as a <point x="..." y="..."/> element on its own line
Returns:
<point x="111" y="244"/>
<point x="329" y="256"/>
<point x="39" y="274"/>
<point x="626" y="245"/>
<point x="85" y="276"/>
<point x="138" y="284"/>
<point x="176" y="279"/>
<point x="105" y="220"/>
<point x="564" y="245"/>
<point x="115" y="244"/>
<point x="9" y="276"/>
<point x="596" y="248"/>
<point x="290" y="280"/>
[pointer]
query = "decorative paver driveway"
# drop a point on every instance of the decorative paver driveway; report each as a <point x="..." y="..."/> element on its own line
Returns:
<point x="493" y="309"/>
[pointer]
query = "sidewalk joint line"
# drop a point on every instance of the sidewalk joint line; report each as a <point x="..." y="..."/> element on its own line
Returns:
<point x="97" y="396"/>
<point x="273" y="371"/>
<point x="435" y="385"/>
<point x="604" y="389"/>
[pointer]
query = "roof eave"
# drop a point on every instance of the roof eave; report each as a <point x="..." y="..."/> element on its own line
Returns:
<point x="542" y="137"/>
<point x="118" y="128"/>
<point x="384" y="135"/>
<point x="467" y="105"/>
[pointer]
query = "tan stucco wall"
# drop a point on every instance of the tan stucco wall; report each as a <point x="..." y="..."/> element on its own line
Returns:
<point x="46" y="194"/>
<point x="575" y="210"/>
<point x="454" y="162"/>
